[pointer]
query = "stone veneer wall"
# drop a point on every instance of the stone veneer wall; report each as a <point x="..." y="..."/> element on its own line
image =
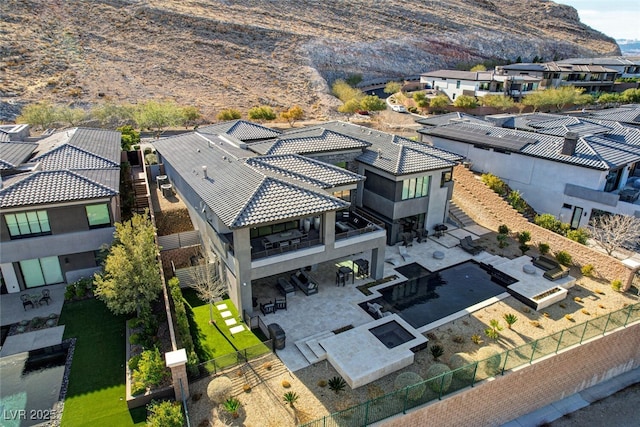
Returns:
<point x="524" y="390"/>
<point x="489" y="210"/>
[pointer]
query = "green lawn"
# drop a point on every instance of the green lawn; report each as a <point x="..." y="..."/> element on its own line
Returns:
<point x="215" y="341"/>
<point x="96" y="393"/>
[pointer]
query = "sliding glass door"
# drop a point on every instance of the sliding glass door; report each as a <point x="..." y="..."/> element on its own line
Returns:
<point x="41" y="271"/>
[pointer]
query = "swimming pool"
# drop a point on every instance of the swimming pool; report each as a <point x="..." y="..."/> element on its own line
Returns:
<point x="429" y="296"/>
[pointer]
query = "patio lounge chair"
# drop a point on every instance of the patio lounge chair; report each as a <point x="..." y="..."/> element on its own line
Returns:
<point x="46" y="296"/>
<point x="303" y="281"/>
<point x="553" y="269"/>
<point x="405" y="254"/>
<point x="26" y="301"/>
<point x="470" y="247"/>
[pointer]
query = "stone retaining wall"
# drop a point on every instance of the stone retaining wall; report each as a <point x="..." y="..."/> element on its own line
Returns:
<point x="489" y="210"/>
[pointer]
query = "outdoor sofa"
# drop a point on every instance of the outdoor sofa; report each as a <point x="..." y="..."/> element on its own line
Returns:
<point x="303" y="281"/>
<point x="468" y="245"/>
<point x="553" y="270"/>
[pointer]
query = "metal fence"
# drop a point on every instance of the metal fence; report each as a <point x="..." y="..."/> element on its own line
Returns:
<point x="400" y="401"/>
<point x="213" y="366"/>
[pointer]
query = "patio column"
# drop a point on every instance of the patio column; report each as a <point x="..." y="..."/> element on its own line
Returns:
<point x="329" y="229"/>
<point x="240" y="293"/>
<point x="177" y="362"/>
<point x="10" y="278"/>
<point x="376" y="267"/>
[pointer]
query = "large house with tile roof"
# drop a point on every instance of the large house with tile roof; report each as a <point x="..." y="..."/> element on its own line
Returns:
<point x="269" y="206"/>
<point x="570" y="167"/>
<point x="60" y="200"/>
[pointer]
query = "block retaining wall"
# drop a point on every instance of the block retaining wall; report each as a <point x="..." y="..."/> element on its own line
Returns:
<point x="521" y="391"/>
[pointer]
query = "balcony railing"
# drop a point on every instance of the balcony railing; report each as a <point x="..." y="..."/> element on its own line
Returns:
<point x="356" y="223"/>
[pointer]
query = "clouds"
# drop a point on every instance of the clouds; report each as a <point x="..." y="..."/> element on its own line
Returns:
<point x="618" y="19"/>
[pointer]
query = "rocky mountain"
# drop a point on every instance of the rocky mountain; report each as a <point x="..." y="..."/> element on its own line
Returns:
<point x="217" y="54"/>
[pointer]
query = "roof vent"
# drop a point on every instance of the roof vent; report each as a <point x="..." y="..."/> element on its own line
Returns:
<point x="379" y="153"/>
<point x="224" y="157"/>
<point x="569" y="144"/>
<point x="204" y="172"/>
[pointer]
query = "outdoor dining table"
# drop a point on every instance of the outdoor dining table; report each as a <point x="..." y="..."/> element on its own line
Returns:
<point x="286" y="236"/>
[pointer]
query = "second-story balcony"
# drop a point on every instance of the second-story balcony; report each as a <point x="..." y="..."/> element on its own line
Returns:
<point x="354" y="223"/>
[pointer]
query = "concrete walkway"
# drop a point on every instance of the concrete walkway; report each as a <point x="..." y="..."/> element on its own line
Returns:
<point x="578" y="401"/>
<point x="28" y="341"/>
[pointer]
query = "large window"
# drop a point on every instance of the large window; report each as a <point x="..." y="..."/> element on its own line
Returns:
<point x="27" y="224"/>
<point x="98" y="216"/>
<point x="41" y="271"/>
<point x="344" y="195"/>
<point x="416" y="187"/>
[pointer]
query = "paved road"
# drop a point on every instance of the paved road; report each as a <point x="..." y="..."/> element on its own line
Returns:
<point x="621" y="409"/>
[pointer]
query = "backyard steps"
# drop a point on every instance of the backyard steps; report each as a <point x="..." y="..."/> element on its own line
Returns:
<point x="490" y="259"/>
<point x="459" y="216"/>
<point x="311" y="349"/>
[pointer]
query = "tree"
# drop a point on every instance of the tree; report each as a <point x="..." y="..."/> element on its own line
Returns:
<point x="112" y="115"/>
<point x="351" y="106"/>
<point x="41" y="115"/>
<point x="130" y="280"/>
<point x="501" y="102"/>
<point x="421" y="100"/>
<point x="372" y="103"/>
<point x="129" y="137"/>
<point x="615" y="231"/>
<point x="207" y="282"/>
<point x="609" y="98"/>
<point x="156" y="115"/>
<point x="439" y="102"/>
<point x="262" y="112"/>
<point x="478" y="67"/>
<point x="354" y="79"/>
<point x="466" y="102"/>
<point x="190" y="115"/>
<point x="165" y="414"/>
<point x="392" y="87"/>
<point x="70" y="115"/>
<point x="563" y="96"/>
<point x="292" y="114"/>
<point x="229" y="114"/>
<point x="631" y="95"/>
<point x="535" y="100"/>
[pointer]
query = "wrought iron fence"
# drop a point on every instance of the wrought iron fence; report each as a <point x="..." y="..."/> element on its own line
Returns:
<point x="213" y="366"/>
<point x="400" y="401"/>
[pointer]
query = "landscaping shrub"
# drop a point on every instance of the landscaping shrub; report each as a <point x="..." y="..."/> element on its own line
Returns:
<point x="587" y="270"/>
<point x="516" y="201"/>
<point x="219" y="389"/>
<point x="69" y="292"/>
<point x="436" y="351"/>
<point x="543" y="248"/>
<point x="462" y="365"/>
<point x="563" y="258"/>
<point x="337" y="384"/>
<point x="579" y="235"/>
<point x="440" y="377"/>
<point x="165" y="414"/>
<point x="503" y="229"/>
<point x="550" y="222"/>
<point x="494" y="183"/>
<point x="151" y="371"/>
<point x="407" y="379"/>
<point x="182" y="323"/>
<point x="134" y="362"/>
<point x="489" y="361"/>
<point x="616" y="285"/>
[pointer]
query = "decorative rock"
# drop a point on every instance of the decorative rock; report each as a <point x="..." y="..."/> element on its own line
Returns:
<point x="529" y="269"/>
<point x="438" y="255"/>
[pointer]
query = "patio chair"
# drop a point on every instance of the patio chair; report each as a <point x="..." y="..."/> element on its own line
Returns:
<point x="281" y="303"/>
<point x="267" y="244"/>
<point x="46" y="296"/>
<point x="267" y="308"/>
<point x="26" y="301"/>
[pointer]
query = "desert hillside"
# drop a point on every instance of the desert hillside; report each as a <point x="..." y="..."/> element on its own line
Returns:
<point x="220" y="54"/>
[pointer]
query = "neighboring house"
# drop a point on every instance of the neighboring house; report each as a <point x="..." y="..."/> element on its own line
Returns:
<point x="572" y="168"/>
<point x="453" y="117"/>
<point x="269" y="208"/>
<point x="59" y="200"/>
<point x="625" y="66"/>
<point x="591" y="77"/>
<point x="628" y="115"/>
<point x="454" y="83"/>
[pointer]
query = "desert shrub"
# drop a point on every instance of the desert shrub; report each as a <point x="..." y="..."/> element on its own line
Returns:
<point x="516" y="201"/>
<point x="285" y="384"/>
<point x="232" y="406"/>
<point x="440" y="376"/>
<point x="407" y="379"/>
<point x="489" y="360"/>
<point x="543" y="248"/>
<point x="503" y="229"/>
<point x="494" y="183"/>
<point x="229" y="114"/>
<point x="322" y="383"/>
<point x="374" y="392"/>
<point x="462" y="365"/>
<point x="587" y="270"/>
<point x="337" y="384"/>
<point x="579" y="235"/>
<point x="246" y="388"/>
<point x="568" y="317"/>
<point x="436" y="351"/>
<point x="510" y="319"/>
<point x="291" y="397"/>
<point x="616" y="285"/>
<point x="458" y="339"/>
<point x="524" y="237"/>
<point x="165" y="414"/>
<point x="550" y="222"/>
<point x="476" y="339"/>
<point x="563" y="258"/>
<point x="219" y="389"/>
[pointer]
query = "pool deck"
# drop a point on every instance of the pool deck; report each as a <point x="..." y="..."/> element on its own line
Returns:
<point x="309" y="322"/>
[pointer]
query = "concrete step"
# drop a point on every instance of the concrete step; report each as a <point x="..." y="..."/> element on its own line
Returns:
<point x="311" y="348"/>
<point x="459" y="215"/>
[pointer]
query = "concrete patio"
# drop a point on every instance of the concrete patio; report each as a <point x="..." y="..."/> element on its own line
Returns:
<point x="319" y="325"/>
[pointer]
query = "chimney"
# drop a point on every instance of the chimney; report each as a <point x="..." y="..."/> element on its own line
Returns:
<point x="204" y="172"/>
<point x="569" y="144"/>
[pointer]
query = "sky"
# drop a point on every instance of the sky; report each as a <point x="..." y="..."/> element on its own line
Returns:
<point x="619" y="19"/>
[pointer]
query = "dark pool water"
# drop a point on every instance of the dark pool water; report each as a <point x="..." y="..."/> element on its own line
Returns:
<point x="30" y="386"/>
<point x="428" y="296"/>
<point x="392" y="334"/>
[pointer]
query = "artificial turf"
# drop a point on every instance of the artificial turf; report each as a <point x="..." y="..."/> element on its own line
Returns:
<point x="213" y="341"/>
<point x="96" y="391"/>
